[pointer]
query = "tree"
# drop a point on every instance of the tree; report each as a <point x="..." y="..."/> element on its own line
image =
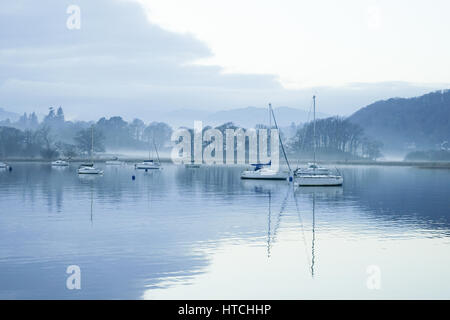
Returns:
<point x="137" y="129"/>
<point x="33" y="121"/>
<point x="371" y="149"/>
<point x="115" y="130"/>
<point x="32" y="145"/>
<point x="11" y="142"/>
<point x="50" y="116"/>
<point x="158" y="132"/>
<point x="83" y="140"/>
<point x="335" y="135"/>
<point x="68" y="150"/>
<point x="48" y="149"/>
<point x="60" y="115"/>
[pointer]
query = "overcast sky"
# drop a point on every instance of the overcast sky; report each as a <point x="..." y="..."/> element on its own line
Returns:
<point x="139" y="58"/>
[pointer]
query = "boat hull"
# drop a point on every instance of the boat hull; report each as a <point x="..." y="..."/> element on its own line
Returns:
<point x="60" y="164"/>
<point x="264" y="176"/>
<point x="318" y="181"/>
<point x="147" y="167"/>
<point x="91" y="171"/>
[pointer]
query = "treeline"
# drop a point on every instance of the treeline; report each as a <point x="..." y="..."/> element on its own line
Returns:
<point x="430" y="155"/>
<point x="55" y="137"/>
<point x="336" y="137"/>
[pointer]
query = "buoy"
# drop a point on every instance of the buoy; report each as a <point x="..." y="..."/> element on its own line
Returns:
<point x="146" y="170"/>
<point x="290" y="179"/>
<point x="10" y="169"/>
<point x="133" y="178"/>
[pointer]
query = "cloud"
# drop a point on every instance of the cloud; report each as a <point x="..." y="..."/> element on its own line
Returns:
<point x="119" y="63"/>
<point x="116" y="54"/>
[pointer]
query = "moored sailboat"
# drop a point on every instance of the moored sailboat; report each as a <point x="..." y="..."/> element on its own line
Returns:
<point x="265" y="171"/>
<point x="313" y="175"/>
<point x="89" y="168"/>
<point x="149" y="164"/>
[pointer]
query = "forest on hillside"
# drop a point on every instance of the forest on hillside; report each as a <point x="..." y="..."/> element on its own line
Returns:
<point x="408" y="125"/>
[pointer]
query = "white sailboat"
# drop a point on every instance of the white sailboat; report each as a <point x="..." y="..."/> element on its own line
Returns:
<point x="265" y="171"/>
<point x="89" y="168"/>
<point x="313" y="175"/>
<point x="149" y="164"/>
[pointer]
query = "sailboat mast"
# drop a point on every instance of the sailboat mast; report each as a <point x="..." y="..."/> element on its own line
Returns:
<point x="314" y="128"/>
<point x="156" y="150"/>
<point x="270" y="117"/>
<point x="149" y="150"/>
<point x="92" y="143"/>
<point x="279" y="137"/>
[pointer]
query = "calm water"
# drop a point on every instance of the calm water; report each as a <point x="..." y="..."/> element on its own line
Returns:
<point x="203" y="233"/>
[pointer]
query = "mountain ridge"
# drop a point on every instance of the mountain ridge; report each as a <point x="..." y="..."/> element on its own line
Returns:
<point x="407" y="123"/>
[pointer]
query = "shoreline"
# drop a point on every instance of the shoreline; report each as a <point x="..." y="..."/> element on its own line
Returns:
<point x="419" y="164"/>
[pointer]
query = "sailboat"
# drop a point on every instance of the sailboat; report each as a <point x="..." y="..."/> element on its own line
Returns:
<point x="88" y="168"/>
<point x="313" y="175"/>
<point x="149" y="164"/>
<point x="264" y="171"/>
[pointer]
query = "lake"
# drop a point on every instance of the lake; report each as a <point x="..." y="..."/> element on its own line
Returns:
<point x="205" y="234"/>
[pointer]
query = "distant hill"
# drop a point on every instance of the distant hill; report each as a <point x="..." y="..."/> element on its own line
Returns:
<point x="250" y="116"/>
<point x="8" y="115"/>
<point x="408" y="124"/>
<point x="246" y="117"/>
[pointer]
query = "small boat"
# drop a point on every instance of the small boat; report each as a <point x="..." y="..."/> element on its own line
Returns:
<point x="3" y="165"/>
<point x="192" y="165"/>
<point x="88" y="168"/>
<point x="148" y="165"/>
<point x="264" y="172"/>
<point x="313" y="175"/>
<point x="317" y="176"/>
<point x="60" y="163"/>
<point x="114" y="162"/>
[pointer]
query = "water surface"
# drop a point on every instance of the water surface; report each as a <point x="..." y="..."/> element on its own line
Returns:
<point x="204" y="233"/>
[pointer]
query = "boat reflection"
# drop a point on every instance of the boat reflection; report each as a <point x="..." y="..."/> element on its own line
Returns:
<point x="312" y="192"/>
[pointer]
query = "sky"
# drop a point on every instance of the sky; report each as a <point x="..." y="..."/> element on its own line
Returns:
<point x="151" y="58"/>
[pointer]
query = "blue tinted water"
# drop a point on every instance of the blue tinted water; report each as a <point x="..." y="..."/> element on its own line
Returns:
<point x="203" y="233"/>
